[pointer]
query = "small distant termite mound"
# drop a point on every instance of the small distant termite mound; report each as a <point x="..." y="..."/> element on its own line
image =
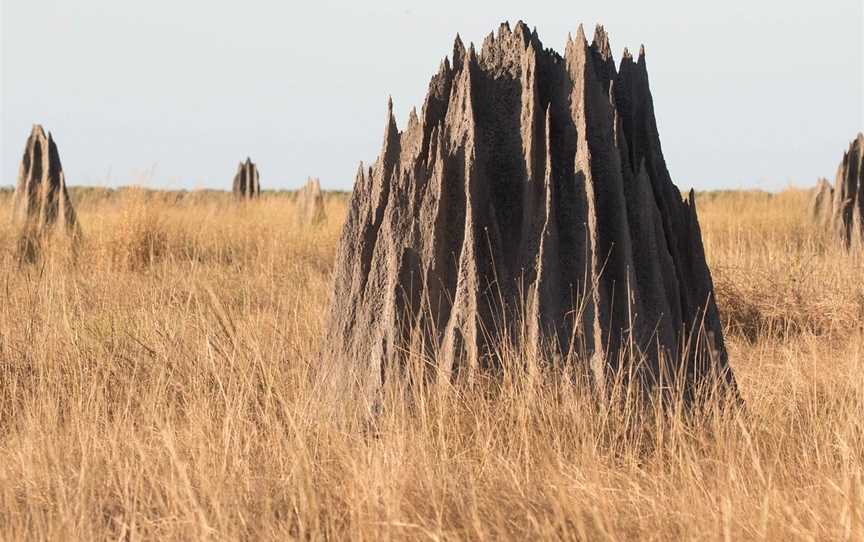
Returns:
<point x="529" y="201"/>
<point x="841" y="208"/>
<point x="247" y="183"/>
<point x="310" y="202"/>
<point x="41" y="202"/>
<point x="822" y="204"/>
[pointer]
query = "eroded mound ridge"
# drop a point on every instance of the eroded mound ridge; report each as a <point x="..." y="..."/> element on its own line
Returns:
<point x="41" y="201"/>
<point x="841" y="208"/>
<point x="529" y="200"/>
<point x="247" y="183"/>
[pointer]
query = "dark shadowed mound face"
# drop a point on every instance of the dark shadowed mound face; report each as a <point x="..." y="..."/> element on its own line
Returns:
<point x="529" y="200"/>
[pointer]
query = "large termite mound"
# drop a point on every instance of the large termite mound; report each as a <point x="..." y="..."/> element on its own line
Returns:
<point x="247" y="182"/>
<point x="310" y="202"/>
<point x="41" y="202"/>
<point x="841" y="208"/>
<point x="528" y="202"/>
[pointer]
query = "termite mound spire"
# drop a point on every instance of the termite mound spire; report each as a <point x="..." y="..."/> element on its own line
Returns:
<point x="247" y="181"/>
<point x="41" y="202"/>
<point x="530" y="201"/>
<point x="841" y="208"/>
<point x="310" y="202"/>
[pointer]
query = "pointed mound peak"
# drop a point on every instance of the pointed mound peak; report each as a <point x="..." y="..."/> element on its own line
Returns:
<point x="600" y="43"/>
<point x="523" y="33"/>
<point x="488" y="45"/>
<point x="458" y="53"/>
<point x="506" y="45"/>
<point x="580" y="36"/>
<point x="577" y="46"/>
<point x="470" y="59"/>
<point x="391" y="118"/>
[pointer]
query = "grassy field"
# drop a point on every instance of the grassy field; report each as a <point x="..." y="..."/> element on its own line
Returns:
<point x="161" y="383"/>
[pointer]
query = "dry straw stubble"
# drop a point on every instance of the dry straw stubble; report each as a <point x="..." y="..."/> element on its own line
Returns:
<point x="177" y="398"/>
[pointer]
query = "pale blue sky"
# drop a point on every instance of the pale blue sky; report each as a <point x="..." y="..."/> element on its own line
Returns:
<point x="747" y="94"/>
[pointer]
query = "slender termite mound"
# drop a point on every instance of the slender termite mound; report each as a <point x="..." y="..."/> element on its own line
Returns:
<point x="528" y="202"/>
<point x="247" y="183"/>
<point x="41" y="202"/>
<point x="822" y="204"/>
<point x="310" y="202"/>
<point x="844" y="215"/>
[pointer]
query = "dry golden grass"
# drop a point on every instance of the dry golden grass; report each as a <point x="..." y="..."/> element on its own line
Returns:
<point x="161" y="383"/>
